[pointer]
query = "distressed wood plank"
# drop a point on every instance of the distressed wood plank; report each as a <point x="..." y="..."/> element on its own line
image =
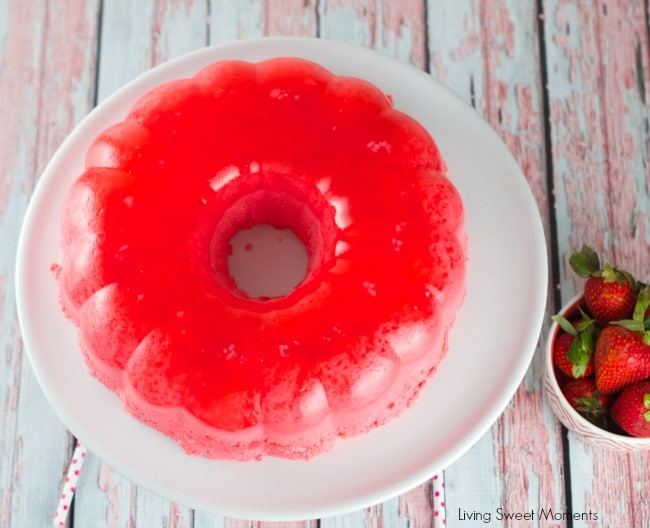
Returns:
<point x="46" y="87"/>
<point x="598" y="69"/>
<point x="139" y="35"/>
<point x="236" y="20"/>
<point x="44" y="79"/>
<point x="256" y="18"/>
<point x="393" y="28"/>
<point x="598" y="73"/>
<point x="487" y="53"/>
<point x="606" y="118"/>
<point x="290" y="17"/>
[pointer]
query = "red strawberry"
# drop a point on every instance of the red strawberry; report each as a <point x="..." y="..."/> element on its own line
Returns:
<point x="621" y="358"/>
<point x="610" y="293"/>
<point x="622" y="354"/>
<point x="631" y="410"/>
<point x="608" y="299"/>
<point x="574" y="346"/>
<point x="583" y="396"/>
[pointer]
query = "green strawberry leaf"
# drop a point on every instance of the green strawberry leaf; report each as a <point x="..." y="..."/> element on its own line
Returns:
<point x="629" y="278"/>
<point x="588" y="339"/>
<point x="586" y="321"/>
<point x="586" y="262"/>
<point x="646" y="400"/>
<point x="580" y="351"/>
<point x="630" y="324"/>
<point x="642" y="303"/>
<point x="619" y="276"/>
<point x="565" y="324"/>
<point x="592" y="410"/>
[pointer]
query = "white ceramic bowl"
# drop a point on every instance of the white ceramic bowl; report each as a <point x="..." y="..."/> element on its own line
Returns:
<point x="571" y="418"/>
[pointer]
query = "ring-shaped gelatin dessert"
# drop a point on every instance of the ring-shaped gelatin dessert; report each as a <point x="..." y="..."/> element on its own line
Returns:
<point x="146" y="233"/>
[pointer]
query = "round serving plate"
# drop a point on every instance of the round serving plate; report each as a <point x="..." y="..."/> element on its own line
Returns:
<point x="506" y="246"/>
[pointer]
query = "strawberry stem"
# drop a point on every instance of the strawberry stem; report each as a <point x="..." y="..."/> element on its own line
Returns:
<point x="637" y="323"/>
<point x="565" y="324"/>
<point x="594" y="411"/>
<point x="611" y="274"/>
<point x="582" y="349"/>
<point x="642" y="303"/>
<point x="586" y="263"/>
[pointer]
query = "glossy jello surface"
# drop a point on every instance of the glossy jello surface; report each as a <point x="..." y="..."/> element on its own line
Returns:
<point x="146" y="232"/>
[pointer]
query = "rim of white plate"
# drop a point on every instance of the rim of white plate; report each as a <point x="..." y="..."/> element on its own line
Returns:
<point x="361" y="471"/>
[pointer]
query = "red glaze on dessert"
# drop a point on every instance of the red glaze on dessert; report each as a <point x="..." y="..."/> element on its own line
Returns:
<point x="146" y="233"/>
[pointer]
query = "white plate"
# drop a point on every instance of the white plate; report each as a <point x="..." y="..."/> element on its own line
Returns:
<point x="506" y="247"/>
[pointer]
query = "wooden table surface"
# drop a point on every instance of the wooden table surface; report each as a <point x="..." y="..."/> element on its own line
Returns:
<point x="564" y="83"/>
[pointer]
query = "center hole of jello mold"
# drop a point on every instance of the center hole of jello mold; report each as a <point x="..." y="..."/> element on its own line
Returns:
<point x="267" y="237"/>
<point x="266" y="262"/>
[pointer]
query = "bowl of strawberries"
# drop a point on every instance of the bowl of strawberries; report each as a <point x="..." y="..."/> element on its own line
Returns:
<point x="597" y="357"/>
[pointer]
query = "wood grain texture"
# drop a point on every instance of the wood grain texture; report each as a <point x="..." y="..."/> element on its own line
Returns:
<point x="598" y="84"/>
<point x="46" y="87"/>
<point x="598" y="70"/>
<point x="235" y="20"/>
<point x="392" y="28"/>
<point x="290" y="17"/>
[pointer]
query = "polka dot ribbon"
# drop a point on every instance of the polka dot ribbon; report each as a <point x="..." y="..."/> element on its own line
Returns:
<point x="439" y="509"/>
<point x="69" y="486"/>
